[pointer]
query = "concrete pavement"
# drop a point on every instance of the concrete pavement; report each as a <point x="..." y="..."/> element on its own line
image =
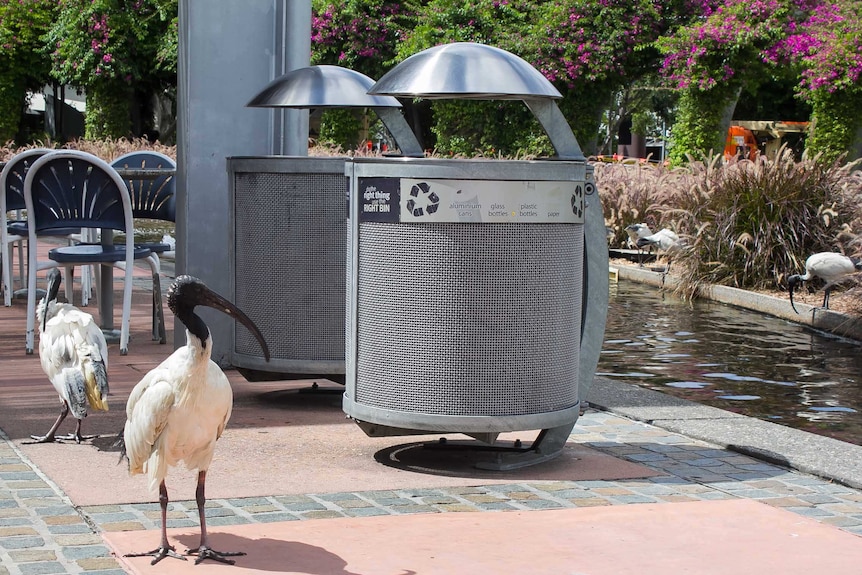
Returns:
<point x="674" y="487"/>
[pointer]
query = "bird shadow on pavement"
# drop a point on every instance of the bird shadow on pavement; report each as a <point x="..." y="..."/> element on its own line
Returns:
<point x="275" y="555"/>
<point x="107" y="443"/>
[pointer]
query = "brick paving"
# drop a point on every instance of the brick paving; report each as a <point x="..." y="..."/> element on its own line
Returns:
<point x="41" y="532"/>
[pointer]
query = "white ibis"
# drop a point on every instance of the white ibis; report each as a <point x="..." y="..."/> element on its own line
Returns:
<point x="180" y="408"/>
<point x="74" y="356"/>
<point x="665" y="240"/>
<point x="828" y="266"/>
<point x="635" y="233"/>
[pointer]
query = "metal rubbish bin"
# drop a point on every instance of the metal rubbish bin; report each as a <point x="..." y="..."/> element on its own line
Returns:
<point x="477" y="289"/>
<point x="289" y="236"/>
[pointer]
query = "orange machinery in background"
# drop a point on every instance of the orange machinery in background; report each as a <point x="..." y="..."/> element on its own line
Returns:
<point x="748" y="138"/>
<point x="741" y="142"/>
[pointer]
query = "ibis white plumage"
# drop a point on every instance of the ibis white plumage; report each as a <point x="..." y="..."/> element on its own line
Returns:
<point x="179" y="410"/>
<point x="831" y="267"/>
<point x="74" y="355"/>
<point x="665" y="240"/>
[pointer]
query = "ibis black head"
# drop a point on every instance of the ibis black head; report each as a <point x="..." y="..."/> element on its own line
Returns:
<point x="187" y="292"/>
<point x="54" y="281"/>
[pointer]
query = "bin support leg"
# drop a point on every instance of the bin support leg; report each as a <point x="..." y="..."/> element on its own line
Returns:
<point x="548" y="445"/>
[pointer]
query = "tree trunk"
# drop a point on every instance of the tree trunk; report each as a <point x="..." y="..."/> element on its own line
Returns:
<point x="836" y="126"/>
<point x="108" y="110"/>
<point x="702" y="123"/>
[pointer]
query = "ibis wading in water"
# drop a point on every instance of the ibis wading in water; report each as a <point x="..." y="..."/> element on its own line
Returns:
<point x="74" y="356"/>
<point x="828" y="266"/>
<point x="180" y="408"/>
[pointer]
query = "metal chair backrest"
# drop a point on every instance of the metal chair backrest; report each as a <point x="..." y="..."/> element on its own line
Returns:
<point x="76" y="189"/>
<point x="152" y="198"/>
<point x="12" y="178"/>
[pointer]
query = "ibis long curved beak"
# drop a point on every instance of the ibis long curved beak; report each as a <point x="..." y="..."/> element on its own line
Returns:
<point x="211" y="299"/>
<point x="791" y="285"/>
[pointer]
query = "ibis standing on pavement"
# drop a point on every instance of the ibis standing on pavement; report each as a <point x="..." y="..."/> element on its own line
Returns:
<point x="74" y="355"/>
<point x="831" y="267"/>
<point x="178" y="410"/>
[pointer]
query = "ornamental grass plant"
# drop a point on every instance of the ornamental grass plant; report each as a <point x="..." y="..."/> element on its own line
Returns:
<point x="746" y="224"/>
<point x="107" y="149"/>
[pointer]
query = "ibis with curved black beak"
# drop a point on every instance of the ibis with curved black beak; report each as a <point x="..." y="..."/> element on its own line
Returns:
<point x="179" y="410"/>
<point x="74" y="355"/>
<point x="831" y="267"/>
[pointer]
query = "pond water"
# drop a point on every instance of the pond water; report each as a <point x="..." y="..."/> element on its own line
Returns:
<point x="735" y="359"/>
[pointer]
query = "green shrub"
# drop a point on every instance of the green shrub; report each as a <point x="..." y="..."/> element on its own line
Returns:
<point x="837" y="120"/>
<point x="467" y="128"/>
<point x="757" y="222"/>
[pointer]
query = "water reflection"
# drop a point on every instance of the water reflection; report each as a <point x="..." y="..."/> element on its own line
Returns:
<point x="734" y="359"/>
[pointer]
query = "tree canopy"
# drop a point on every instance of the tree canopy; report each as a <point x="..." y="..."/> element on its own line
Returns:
<point x="703" y="51"/>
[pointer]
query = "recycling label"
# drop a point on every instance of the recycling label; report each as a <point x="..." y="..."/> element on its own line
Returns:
<point x="411" y="200"/>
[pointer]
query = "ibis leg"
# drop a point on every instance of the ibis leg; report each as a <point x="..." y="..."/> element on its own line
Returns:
<point x="164" y="549"/>
<point x="49" y="437"/>
<point x="204" y="551"/>
<point x="77" y="437"/>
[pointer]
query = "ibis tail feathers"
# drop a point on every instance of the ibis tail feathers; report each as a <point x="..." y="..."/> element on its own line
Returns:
<point x="73" y="381"/>
<point x="97" y="385"/>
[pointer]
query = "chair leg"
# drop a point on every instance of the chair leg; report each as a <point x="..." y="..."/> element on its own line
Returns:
<point x="30" y="339"/>
<point x="22" y="279"/>
<point x="70" y="284"/>
<point x="127" y="309"/>
<point x="158" y="311"/>
<point x="97" y="280"/>
<point x="7" y="275"/>
<point x="85" y="285"/>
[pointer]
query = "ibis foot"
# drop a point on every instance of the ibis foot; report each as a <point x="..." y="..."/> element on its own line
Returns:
<point x="220" y="556"/>
<point x="76" y="437"/>
<point x="158" y="554"/>
<point x="42" y="439"/>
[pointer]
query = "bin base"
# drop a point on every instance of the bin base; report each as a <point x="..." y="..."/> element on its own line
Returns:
<point x="254" y="375"/>
<point x="548" y="445"/>
<point x="448" y="457"/>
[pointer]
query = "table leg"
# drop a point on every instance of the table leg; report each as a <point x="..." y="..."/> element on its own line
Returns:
<point x="106" y="287"/>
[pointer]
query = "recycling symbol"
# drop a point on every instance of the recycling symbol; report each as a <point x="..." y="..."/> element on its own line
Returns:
<point x="578" y="202"/>
<point x="422" y="200"/>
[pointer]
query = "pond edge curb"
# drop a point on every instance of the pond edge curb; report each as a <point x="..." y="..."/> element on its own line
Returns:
<point x="814" y="317"/>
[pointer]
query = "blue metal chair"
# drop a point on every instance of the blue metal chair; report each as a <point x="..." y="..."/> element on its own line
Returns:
<point x="75" y="189"/>
<point x="153" y="198"/>
<point x="14" y="231"/>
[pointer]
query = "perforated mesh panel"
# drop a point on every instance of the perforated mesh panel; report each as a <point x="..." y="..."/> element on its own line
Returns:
<point x="290" y="248"/>
<point x="469" y="319"/>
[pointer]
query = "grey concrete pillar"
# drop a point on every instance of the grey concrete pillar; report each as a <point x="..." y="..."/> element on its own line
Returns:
<point x="228" y="51"/>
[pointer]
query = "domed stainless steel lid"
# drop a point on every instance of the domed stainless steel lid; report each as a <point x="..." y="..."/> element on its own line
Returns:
<point x="321" y="87"/>
<point x="465" y="70"/>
